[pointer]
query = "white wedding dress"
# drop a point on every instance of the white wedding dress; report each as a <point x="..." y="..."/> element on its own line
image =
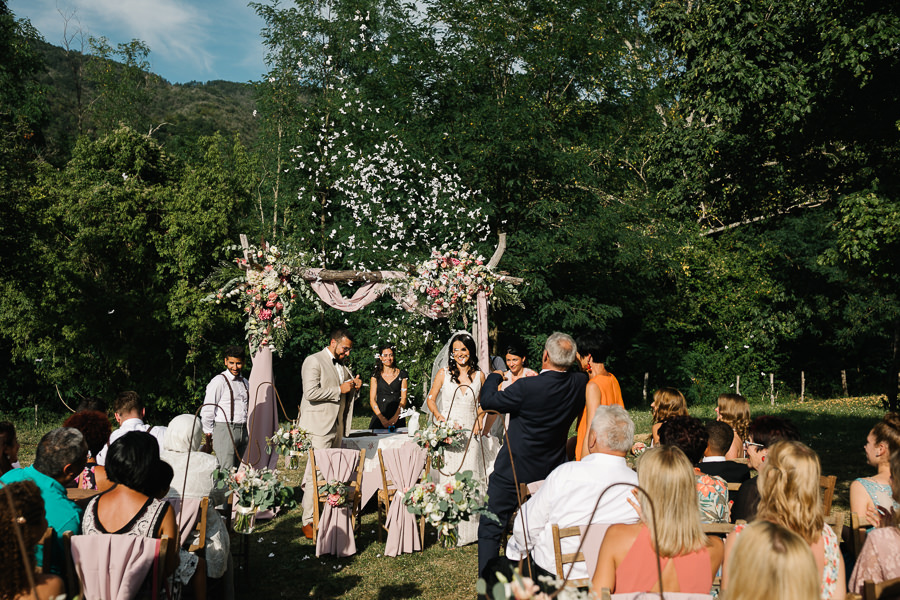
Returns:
<point x="457" y="403"/>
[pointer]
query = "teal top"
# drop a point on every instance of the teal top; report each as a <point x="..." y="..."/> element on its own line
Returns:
<point x="62" y="514"/>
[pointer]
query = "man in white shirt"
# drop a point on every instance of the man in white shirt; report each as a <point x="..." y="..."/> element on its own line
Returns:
<point x="224" y="411"/>
<point x="130" y="416"/>
<point x="569" y="494"/>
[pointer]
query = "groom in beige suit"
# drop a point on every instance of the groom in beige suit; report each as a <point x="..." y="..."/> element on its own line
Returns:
<point x="329" y="389"/>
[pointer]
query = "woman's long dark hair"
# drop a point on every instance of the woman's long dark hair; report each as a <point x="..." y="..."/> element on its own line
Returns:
<point x="472" y="363"/>
<point x="379" y="366"/>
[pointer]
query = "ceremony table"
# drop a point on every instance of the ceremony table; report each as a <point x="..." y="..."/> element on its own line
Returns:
<point x="372" y="440"/>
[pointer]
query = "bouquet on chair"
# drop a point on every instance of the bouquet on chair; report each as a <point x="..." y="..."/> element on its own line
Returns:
<point x="525" y="588"/>
<point x="253" y="490"/>
<point x="444" y="505"/>
<point x="290" y="443"/>
<point x="337" y="493"/>
<point x="437" y="437"/>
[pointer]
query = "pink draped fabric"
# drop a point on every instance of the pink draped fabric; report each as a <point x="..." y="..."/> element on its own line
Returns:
<point x="335" y="534"/>
<point x="187" y="513"/>
<point x="113" y="567"/>
<point x="403" y="467"/>
<point x="262" y="416"/>
<point x="330" y="294"/>
<point x="481" y="318"/>
<point x="593" y="538"/>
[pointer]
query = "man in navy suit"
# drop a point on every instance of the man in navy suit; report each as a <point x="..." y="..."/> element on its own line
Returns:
<point x="541" y="410"/>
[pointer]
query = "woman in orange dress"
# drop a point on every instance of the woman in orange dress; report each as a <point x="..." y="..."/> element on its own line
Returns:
<point x="602" y="389"/>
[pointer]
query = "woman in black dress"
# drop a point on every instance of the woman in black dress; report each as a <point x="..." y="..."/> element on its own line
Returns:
<point x="387" y="390"/>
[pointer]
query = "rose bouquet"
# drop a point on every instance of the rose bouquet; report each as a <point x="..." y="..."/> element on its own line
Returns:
<point x="439" y="436"/>
<point x="253" y="490"/>
<point x="290" y="443"/>
<point x="337" y="493"/>
<point x="446" y="504"/>
<point x="638" y="448"/>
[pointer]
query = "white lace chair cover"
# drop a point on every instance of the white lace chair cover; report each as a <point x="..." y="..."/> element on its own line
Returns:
<point x="335" y="534"/>
<point x="403" y="467"/>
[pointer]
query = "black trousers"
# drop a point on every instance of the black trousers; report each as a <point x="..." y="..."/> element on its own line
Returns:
<point x="503" y="502"/>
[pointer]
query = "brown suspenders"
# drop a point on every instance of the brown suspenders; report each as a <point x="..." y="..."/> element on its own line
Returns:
<point x="231" y="393"/>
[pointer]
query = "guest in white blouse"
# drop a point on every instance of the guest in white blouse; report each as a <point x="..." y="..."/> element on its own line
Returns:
<point x="569" y="494"/>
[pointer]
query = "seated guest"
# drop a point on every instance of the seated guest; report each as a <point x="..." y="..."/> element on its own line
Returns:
<point x="9" y="447"/>
<point x="130" y="416"/>
<point x="27" y="515"/>
<point x="734" y="411"/>
<point x="714" y="463"/>
<point x="789" y="495"/>
<point x="569" y="495"/>
<point x="94" y="426"/>
<point x="58" y="460"/>
<point x="129" y="507"/>
<point x="667" y="402"/>
<point x="763" y="432"/>
<point x="771" y="562"/>
<point x="880" y="556"/>
<point x="193" y="478"/>
<point x="871" y="495"/>
<point x="627" y="561"/>
<point x="689" y="435"/>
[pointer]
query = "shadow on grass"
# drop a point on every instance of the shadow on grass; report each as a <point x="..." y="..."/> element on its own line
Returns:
<point x="404" y="590"/>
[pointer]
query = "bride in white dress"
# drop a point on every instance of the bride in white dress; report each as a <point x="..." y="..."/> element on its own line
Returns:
<point x="454" y="397"/>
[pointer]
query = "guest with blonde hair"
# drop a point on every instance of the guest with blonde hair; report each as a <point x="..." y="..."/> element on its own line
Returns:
<point x="771" y="562"/>
<point x="790" y="496"/>
<point x="734" y="410"/>
<point x="688" y="558"/>
<point x="667" y="402"/>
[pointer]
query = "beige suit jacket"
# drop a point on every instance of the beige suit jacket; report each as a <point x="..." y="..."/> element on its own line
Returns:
<point x="324" y="411"/>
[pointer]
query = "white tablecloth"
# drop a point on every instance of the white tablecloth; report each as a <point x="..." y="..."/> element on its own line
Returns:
<point x="372" y="441"/>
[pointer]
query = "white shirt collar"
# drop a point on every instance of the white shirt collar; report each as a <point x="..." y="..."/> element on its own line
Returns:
<point x="713" y="459"/>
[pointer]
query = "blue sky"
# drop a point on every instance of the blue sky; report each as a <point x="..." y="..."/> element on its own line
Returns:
<point x="189" y="39"/>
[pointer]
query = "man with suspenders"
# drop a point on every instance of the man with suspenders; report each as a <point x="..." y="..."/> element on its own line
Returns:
<point x="225" y="409"/>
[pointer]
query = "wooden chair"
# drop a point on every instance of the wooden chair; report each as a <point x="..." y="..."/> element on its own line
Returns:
<point x="858" y="529"/>
<point x="386" y="495"/>
<point x="827" y="483"/>
<point x="733" y="487"/>
<point x="743" y="460"/>
<point x="721" y="530"/>
<point x="884" y="590"/>
<point x="836" y="522"/>
<point x="75" y="586"/>
<point x="566" y="559"/>
<point x="355" y="492"/>
<point x="46" y="546"/>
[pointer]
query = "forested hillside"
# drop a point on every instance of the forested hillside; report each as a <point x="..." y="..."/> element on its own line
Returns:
<point x="715" y="185"/>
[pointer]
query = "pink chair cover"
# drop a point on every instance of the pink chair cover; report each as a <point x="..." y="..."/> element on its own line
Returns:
<point x="113" y="567"/>
<point x="187" y="512"/>
<point x="335" y="534"/>
<point x="262" y="416"/>
<point x="593" y="538"/>
<point x="655" y="595"/>
<point x="403" y="467"/>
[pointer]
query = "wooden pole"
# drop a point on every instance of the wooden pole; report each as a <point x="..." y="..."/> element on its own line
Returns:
<point x="772" y="388"/>
<point x="844" y="383"/>
<point x="802" y="385"/>
<point x="737" y="385"/>
<point x="646" y="380"/>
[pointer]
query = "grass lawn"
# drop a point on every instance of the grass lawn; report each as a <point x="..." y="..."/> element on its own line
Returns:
<point x="283" y="564"/>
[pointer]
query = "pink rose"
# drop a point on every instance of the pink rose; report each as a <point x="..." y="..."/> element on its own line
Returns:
<point x="455" y="261"/>
<point x="239" y="476"/>
<point x="268" y="267"/>
<point x="279" y="306"/>
<point x="433" y="292"/>
<point x="334" y="499"/>
<point x="265" y="314"/>
<point x="273" y="296"/>
<point x="270" y="304"/>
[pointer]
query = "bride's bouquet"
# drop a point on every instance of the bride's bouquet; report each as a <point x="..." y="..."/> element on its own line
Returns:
<point x="439" y="436"/>
<point x="444" y="505"/>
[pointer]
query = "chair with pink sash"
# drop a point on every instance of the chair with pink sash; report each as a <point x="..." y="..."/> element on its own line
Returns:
<point x="334" y="526"/>
<point x="115" y="567"/>
<point x="401" y="468"/>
